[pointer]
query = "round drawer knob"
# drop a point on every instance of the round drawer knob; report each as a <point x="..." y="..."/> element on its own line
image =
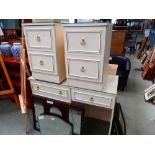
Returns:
<point x="83" y="42"/>
<point x="83" y="69"/>
<point x="37" y="87"/>
<point x="60" y="92"/>
<point x="91" y="99"/>
<point x="38" y="38"/>
<point x="42" y="63"/>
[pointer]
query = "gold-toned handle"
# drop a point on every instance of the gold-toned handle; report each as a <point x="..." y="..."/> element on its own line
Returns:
<point x="91" y="99"/>
<point x="38" y="38"/>
<point x="60" y="92"/>
<point x="83" y="69"/>
<point x="83" y="42"/>
<point x="41" y="63"/>
<point x="37" y="87"/>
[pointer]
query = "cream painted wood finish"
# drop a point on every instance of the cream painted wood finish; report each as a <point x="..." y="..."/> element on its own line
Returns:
<point x="93" y="98"/>
<point x="105" y="98"/>
<point x="45" y="46"/>
<point x="88" y="42"/>
<point x="99" y="104"/>
<point x="88" y="69"/>
<point x="43" y="63"/>
<point x="40" y="37"/>
<point x="50" y="90"/>
<point x="87" y="49"/>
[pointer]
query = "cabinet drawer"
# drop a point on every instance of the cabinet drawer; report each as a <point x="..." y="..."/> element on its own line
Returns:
<point x="85" y="69"/>
<point x="93" y="98"/>
<point x="43" y="63"/>
<point x="45" y="89"/>
<point x="40" y="38"/>
<point x="88" y="42"/>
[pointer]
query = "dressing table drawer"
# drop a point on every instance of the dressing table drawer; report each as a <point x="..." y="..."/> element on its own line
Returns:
<point x="93" y="97"/>
<point x="50" y="90"/>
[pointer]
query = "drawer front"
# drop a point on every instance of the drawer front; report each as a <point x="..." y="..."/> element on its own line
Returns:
<point x="43" y="63"/>
<point x="87" y="42"/>
<point x="93" y="98"/>
<point x="38" y="38"/>
<point x="51" y="91"/>
<point x="84" y="69"/>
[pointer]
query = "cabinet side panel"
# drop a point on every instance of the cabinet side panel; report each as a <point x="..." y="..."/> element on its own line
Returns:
<point x="59" y="38"/>
<point x="107" y="51"/>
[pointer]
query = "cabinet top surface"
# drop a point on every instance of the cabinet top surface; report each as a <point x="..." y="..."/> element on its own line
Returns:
<point x="69" y="25"/>
<point x="87" y="25"/>
<point x="41" y="24"/>
<point x="111" y="84"/>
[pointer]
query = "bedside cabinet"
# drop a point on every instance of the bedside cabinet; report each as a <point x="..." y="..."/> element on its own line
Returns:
<point x="45" y="46"/>
<point x="87" y="48"/>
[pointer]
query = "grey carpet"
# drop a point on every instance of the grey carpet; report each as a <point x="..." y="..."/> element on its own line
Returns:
<point x="12" y="121"/>
<point x="139" y="115"/>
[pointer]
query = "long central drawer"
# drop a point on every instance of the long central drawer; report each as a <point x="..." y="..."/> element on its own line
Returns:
<point x="50" y="90"/>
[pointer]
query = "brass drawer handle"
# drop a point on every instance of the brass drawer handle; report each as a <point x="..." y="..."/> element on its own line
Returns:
<point x="91" y="99"/>
<point x="37" y="87"/>
<point x="60" y="92"/>
<point x="83" y="69"/>
<point x="41" y="63"/>
<point x="83" y="42"/>
<point x="38" y="38"/>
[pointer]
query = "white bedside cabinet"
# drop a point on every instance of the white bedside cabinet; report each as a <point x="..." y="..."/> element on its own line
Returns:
<point x="45" y="46"/>
<point x="87" y="49"/>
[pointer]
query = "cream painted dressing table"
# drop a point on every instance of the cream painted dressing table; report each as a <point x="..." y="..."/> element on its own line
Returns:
<point x="102" y="106"/>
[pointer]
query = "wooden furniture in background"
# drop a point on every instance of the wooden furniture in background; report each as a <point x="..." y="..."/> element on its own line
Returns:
<point x="2" y="39"/>
<point x="10" y="92"/>
<point x="1" y="84"/>
<point x="115" y="27"/>
<point x="143" y="45"/>
<point x="13" y="67"/>
<point x="12" y="35"/>
<point x="118" y="42"/>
